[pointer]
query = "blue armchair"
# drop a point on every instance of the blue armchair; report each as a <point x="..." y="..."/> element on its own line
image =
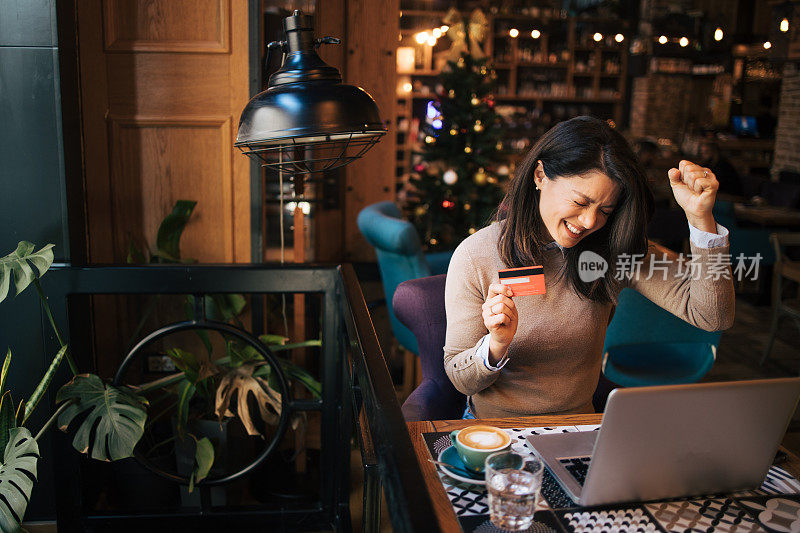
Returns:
<point x="400" y="258"/>
<point x="647" y="345"/>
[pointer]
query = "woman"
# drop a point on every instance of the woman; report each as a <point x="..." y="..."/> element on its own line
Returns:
<point x="581" y="189"/>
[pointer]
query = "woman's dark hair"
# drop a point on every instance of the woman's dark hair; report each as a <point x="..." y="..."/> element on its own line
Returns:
<point x="569" y="150"/>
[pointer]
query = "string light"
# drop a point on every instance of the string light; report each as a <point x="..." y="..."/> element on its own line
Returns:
<point x="467" y="149"/>
<point x="407" y="87"/>
<point x="437" y="32"/>
<point x="444" y="28"/>
<point x="684" y="42"/>
<point x="767" y="45"/>
<point x="662" y="39"/>
<point x="453" y="131"/>
<point x="784" y="27"/>
<point x="429" y="139"/>
<point x="718" y="34"/>
<point x="431" y="41"/>
<point x="421" y="37"/>
<point x="478" y="126"/>
<point x="536" y="34"/>
<point x="598" y="37"/>
<point x="619" y="37"/>
<point x="513" y="32"/>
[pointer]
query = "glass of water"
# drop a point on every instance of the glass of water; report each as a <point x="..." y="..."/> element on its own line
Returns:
<point x="514" y="482"/>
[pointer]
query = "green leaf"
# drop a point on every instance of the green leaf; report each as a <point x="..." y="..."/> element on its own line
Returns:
<point x="7" y="420"/>
<point x="273" y="340"/>
<point x="41" y="388"/>
<point x="118" y="414"/>
<point x="187" y="362"/>
<point x="16" y="263"/>
<point x="186" y="392"/>
<point x="242" y="354"/>
<point x="224" y="307"/>
<point x="171" y="229"/>
<point x="17" y="475"/>
<point x="135" y="256"/>
<point x="4" y="371"/>
<point x="299" y="374"/>
<point x="204" y="459"/>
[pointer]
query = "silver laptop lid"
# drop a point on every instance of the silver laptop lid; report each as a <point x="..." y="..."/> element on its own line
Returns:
<point x="680" y="440"/>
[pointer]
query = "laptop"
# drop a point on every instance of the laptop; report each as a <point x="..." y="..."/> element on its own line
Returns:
<point x="674" y="440"/>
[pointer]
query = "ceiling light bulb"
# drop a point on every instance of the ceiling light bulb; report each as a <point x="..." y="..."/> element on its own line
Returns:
<point x="598" y="37"/>
<point x="767" y="45"/>
<point x="421" y="37"/>
<point x="536" y="34"/>
<point x="619" y="37"/>
<point x="684" y="42"/>
<point x="718" y="34"/>
<point x="513" y="32"/>
<point x="784" y="27"/>
<point x="662" y="39"/>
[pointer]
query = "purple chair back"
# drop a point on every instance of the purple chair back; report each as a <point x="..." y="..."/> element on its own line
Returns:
<point x="419" y="305"/>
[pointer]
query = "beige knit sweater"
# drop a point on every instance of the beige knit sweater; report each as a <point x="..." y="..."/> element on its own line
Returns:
<point x="555" y="357"/>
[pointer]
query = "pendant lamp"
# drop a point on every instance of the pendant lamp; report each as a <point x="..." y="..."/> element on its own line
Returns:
<point x="307" y="120"/>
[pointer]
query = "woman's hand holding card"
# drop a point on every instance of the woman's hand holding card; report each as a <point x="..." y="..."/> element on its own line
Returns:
<point x="500" y="318"/>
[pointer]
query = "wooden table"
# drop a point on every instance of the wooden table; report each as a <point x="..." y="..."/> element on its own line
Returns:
<point x="441" y="504"/>
<point x="768" y="215"/>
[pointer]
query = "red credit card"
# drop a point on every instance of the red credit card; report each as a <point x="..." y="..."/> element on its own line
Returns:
<point x="523" y="281"/>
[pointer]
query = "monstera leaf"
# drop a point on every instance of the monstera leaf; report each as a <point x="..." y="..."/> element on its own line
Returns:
<point x="119" y="415"/>
<point x="240" y="384"/>
<point x="16" y="263"/>
<point x="17" y="474"/>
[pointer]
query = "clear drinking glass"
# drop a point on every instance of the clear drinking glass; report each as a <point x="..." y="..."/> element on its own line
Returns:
<point x="514" y="482"/>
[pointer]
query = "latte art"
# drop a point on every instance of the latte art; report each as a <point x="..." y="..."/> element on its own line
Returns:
<point x="483" y="438"/>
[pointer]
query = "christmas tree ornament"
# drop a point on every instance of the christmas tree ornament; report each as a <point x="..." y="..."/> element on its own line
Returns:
<point x="448" y="204"/>
<point x="433" y="241"/>
<point x="419" y="168"/>
<point x="467" y="149"/>
<point x="498" y="146"/>
<point x="421" y="210"/>
<point x="453" y="131"/>
<point x="480" y="177"/>
<point x="492" y="180"/>
<point x="474" y="100"/>
<point x="450" y="177"/>
<point x="483" y="70"/>
<point x="471" y="231"/>
<point x="429" y="139"/>
<point x="467" y="206"/>
<point x="478" y="126"/>
<point x="461" y="62"/>
<point x="451" y="93"/>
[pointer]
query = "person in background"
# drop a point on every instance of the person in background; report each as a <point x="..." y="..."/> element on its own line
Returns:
<point x="729" y="181"/>
<point x="580" y="193"/>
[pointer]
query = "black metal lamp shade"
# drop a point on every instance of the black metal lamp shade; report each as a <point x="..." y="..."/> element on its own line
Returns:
<point x="308" y="120"/>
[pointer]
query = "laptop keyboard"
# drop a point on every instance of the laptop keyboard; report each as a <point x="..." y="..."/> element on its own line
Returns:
<point x="577" y="467"/>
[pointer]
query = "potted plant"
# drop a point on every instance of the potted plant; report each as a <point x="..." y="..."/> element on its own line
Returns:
<point x="109" y="420"/>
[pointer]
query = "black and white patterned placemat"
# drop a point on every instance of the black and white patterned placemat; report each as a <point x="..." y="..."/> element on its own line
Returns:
<point x="756" y="510"/>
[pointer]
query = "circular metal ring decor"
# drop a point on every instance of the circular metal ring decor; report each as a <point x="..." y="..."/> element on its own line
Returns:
<point x="242" y="335"/>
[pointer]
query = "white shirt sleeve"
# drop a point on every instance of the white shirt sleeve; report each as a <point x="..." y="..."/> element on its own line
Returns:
<point x="483" y="352"/>
<point x="704" y="239"/>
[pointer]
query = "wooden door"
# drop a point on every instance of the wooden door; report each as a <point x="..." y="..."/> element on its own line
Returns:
<point x="163" y="83"/>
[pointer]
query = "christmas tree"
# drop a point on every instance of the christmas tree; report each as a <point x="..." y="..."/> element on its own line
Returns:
<point x="455" y="177"/>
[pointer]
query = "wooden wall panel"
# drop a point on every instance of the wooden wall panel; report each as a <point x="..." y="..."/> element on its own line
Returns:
<point x="153" y="168"/>
<point x="160" y="126"/>
<point x="166" y="25"/>
<point x="372" y="30"/>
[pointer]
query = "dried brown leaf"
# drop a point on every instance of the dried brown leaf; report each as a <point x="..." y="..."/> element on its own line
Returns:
<point x="239" y="383"/>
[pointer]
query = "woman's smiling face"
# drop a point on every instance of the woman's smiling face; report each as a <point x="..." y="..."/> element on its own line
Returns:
<point x="572" y="208"/>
